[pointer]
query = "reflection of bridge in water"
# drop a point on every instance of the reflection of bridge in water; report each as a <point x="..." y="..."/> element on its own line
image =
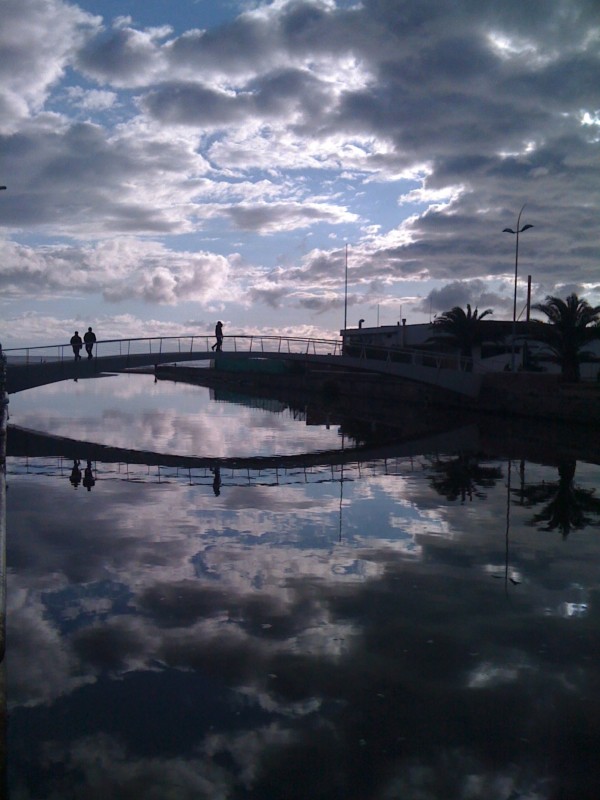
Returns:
<point x="44" y="454"/>
<point x="230" y="477"/>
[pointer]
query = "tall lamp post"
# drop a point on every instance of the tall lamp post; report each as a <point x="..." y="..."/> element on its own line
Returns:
<point x="514" y="325"/>
<point x="346" y="292"/>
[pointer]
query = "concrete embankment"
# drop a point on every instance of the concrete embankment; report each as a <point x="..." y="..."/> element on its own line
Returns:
<point x="541" y="396"/>
<point x="525" y="394"/>
<point x="522" y="416"/>
<point x="3" y="427"/>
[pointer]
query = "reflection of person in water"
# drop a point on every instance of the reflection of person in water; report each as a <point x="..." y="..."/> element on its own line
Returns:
<point x="75" y="476"/>
<point x="217" y="480"/>
<point x="88" y="477"/>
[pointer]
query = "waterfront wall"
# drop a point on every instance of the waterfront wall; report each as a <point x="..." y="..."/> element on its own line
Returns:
<point x="3" y="427"/>
<point x="541" y="396"/>
<point x="522" y="394"/>
<point x="3" y="434"/>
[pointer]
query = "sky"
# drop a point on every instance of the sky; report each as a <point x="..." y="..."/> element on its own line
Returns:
<point x="286" y="166"/>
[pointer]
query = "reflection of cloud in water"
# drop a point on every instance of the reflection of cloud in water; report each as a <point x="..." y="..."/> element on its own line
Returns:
<point x="132" y="411"/>
<point x="393" y="652"/>
<point x="55" y="668"/>
<point x="102" y="760"/>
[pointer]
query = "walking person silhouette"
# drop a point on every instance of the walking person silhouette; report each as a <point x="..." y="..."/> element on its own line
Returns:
<point x="76" y="343"/>
<point x="218" y="345"/>
<point x="89" y="340"/>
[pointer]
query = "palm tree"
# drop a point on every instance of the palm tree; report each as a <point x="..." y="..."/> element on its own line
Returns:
<point x="573" y="324"/>
<point x="460" y="329"/>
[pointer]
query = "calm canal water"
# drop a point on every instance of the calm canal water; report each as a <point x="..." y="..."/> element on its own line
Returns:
<point x="420" y="625"/>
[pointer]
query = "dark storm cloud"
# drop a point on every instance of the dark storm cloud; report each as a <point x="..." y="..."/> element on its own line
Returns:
<point x="449" y="95"/>
<point x="453" y="294"/>
<point x="254" y="42"/>
<point x="273" y="96"/>
<point x="74" y="178"/>
<point x="270" y="296"/>
<point x="118" y="56"/>
<point x="271" y="217"/>
<point x="192" y="104"/>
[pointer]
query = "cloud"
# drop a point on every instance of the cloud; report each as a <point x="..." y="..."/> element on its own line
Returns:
<point x="461" y="293"/>
<point x="123" y="56"/>
<point x="272" y="217"/>
<point x="36" y="44"/>
<point x="415" y="133"/>
<point x="91" y="100"/>
<point x="120" y="269"/>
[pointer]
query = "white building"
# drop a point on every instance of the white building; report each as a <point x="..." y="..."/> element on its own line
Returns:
<point x="494" y="355"/>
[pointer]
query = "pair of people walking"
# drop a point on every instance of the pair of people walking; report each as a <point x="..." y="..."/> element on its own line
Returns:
<point x="89" y="339"/>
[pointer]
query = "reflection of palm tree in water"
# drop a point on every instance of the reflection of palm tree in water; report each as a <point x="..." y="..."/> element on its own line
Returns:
<point x="463" y="477"/>
<point x="567" y="506"/>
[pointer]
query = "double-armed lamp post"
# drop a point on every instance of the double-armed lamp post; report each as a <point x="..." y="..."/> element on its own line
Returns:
<point x="514" y="325"/>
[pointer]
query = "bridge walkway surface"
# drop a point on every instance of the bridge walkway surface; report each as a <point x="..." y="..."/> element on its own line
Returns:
<point x="37" y="366"/>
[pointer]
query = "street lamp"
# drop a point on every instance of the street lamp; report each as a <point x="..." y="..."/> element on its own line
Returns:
<point x="346" y="292"/>
<point x="514" y="325"/>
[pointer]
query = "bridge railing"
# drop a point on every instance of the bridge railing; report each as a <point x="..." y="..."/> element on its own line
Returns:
<point x="242" y="343"/>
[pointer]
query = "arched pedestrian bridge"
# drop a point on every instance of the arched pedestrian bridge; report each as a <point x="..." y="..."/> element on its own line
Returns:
<point x="35" y="366"/>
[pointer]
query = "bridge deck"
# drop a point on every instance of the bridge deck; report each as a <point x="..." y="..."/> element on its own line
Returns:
<point x="32" y="367"/>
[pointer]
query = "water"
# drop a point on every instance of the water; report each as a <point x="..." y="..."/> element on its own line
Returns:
<point x="423" y="625"/>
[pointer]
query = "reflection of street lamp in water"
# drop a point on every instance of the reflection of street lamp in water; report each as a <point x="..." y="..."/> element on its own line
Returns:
<point x="514" y="325"/>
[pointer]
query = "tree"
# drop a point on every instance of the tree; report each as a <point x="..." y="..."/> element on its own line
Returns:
<point x="460" y="329"/>
<point x="573" y="324"/>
